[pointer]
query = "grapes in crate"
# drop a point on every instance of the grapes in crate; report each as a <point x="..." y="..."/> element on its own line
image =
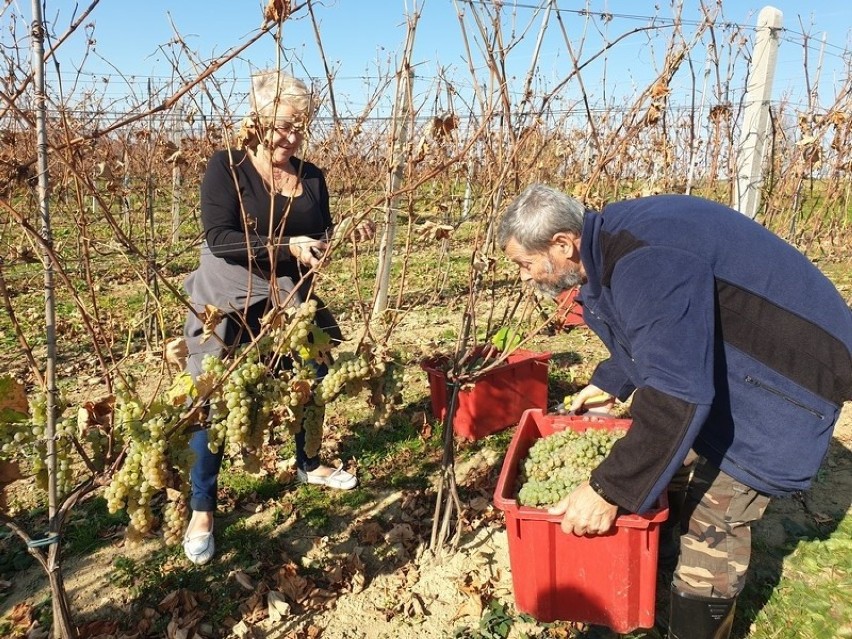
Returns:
<point x="556" y="465"/>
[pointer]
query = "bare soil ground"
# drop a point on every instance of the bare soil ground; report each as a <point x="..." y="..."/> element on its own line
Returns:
<point x="403" y="591"/>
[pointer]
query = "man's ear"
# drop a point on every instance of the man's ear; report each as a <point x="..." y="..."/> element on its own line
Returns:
<point x="565" y="242"/>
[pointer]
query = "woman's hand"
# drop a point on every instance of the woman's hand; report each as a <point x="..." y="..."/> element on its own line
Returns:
<point x="364" y="231"/>
<point x="591" y="397"/>
<point x="306" y="250"/>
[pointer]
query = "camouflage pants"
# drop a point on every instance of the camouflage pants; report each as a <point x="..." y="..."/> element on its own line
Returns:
<point x="715" y="542"/>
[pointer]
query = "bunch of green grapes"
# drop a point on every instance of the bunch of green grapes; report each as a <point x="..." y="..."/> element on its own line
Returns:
<point x="289" y="391"/>
<point x="175" y="516"/>
<point x="25" y="440"/>
<point x="240" y="408"/>
<point x="157" y="458"/>
<point x="557" y="464"/>
<point x="292" y="336"/>
<point x="386" y="390"/>
<point x="347" y="370"/>
<point x="313" y="422"/>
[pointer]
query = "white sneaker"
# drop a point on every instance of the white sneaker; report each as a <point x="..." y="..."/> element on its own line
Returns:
<point x="199" y="547"/>
<point x="339" y="479"/>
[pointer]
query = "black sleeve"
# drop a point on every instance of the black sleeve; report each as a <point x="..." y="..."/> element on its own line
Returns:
<point x="663" y="430"/>
<point x="221" y="217"/>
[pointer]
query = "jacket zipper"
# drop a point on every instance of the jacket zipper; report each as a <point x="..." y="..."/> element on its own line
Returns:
<point x="751" y="380"/>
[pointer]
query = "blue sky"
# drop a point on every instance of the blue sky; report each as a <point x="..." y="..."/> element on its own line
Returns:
<point x="362" y="39"/>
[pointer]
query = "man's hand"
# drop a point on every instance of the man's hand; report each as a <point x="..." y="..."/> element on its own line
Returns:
<point x="585" y="512"/>
<point x="591" y="397"/>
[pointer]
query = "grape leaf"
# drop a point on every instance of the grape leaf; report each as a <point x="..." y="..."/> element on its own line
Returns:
<point x="506" y="338"/>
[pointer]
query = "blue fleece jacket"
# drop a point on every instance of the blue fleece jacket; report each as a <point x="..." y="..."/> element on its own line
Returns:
<point x="734" y="343"/>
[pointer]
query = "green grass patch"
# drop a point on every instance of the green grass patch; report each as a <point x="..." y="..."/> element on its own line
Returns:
<point x="86" y="531"/>
<point x="242" y="485"/>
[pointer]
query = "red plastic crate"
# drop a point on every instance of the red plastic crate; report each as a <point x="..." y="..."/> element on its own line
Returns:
<point x="608" y="579"/>
<point x="569" y="313"/>
<point x="497" y="399"/>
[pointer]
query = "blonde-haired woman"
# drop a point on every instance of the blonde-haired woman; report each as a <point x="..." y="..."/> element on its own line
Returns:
<point x="254" y="198"/>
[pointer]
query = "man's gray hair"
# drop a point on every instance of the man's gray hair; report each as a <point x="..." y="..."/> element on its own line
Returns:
<point x="271" y="89"/>
<point x="536" y="215"/>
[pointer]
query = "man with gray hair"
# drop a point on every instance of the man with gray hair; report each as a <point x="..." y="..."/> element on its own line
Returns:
<point x="735" y="349"/>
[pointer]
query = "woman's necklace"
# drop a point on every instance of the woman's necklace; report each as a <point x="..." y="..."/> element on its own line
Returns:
<point x="279" y="180"/>
<point x="284" y="182"/>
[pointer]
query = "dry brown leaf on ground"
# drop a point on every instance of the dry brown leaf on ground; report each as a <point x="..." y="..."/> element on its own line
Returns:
<point x="144" y="625"/>
<point x="22" y="614"/>
<point x="254" y="609"/>
<point x="413" y="606"/>
<point x="97" y="628"/>
<point x="181" y="600"/>
<point x="291" y="583"/>
<point x="184" y="627"/>
<point x="276" y="606"/>
<point x="369" y="532"/>
<point x="480" y="504"/>
<point x="472" y="606"/>
<point x="421" y="422"/>
<point x="400" y="533"/>
<point x="310" y="632"/>
<point x="243" y="630"/>
<point x="347" y="574"/>
<point x="243" y="579"/>
<point x="319" y="598"/>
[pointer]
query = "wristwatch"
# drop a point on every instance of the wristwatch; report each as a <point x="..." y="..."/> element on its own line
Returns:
<point x="600" y="491"/>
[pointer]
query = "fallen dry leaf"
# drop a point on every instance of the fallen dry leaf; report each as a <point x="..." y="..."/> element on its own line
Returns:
<point x="291" y="584"/>
<point x="319" y="598"/>
<point x="180" y="600"/>
<point x="254" y="609"/>
<point x="369" y="532"/>
<point x="277" y="606"/>
<point x="22" y="614"/>
<point x="243" y="579"/>
<point x="421" y="422"/>
<point x="479" y="504"/>
<point x="97" y="628"/>
<point x="400" y="533"/>
<point x="471" y="607"/>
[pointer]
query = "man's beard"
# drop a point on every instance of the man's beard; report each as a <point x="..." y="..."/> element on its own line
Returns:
<point x="565" y="282"/>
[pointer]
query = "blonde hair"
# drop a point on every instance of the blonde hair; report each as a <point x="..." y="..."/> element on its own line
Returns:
<point x="271" y="89"/>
